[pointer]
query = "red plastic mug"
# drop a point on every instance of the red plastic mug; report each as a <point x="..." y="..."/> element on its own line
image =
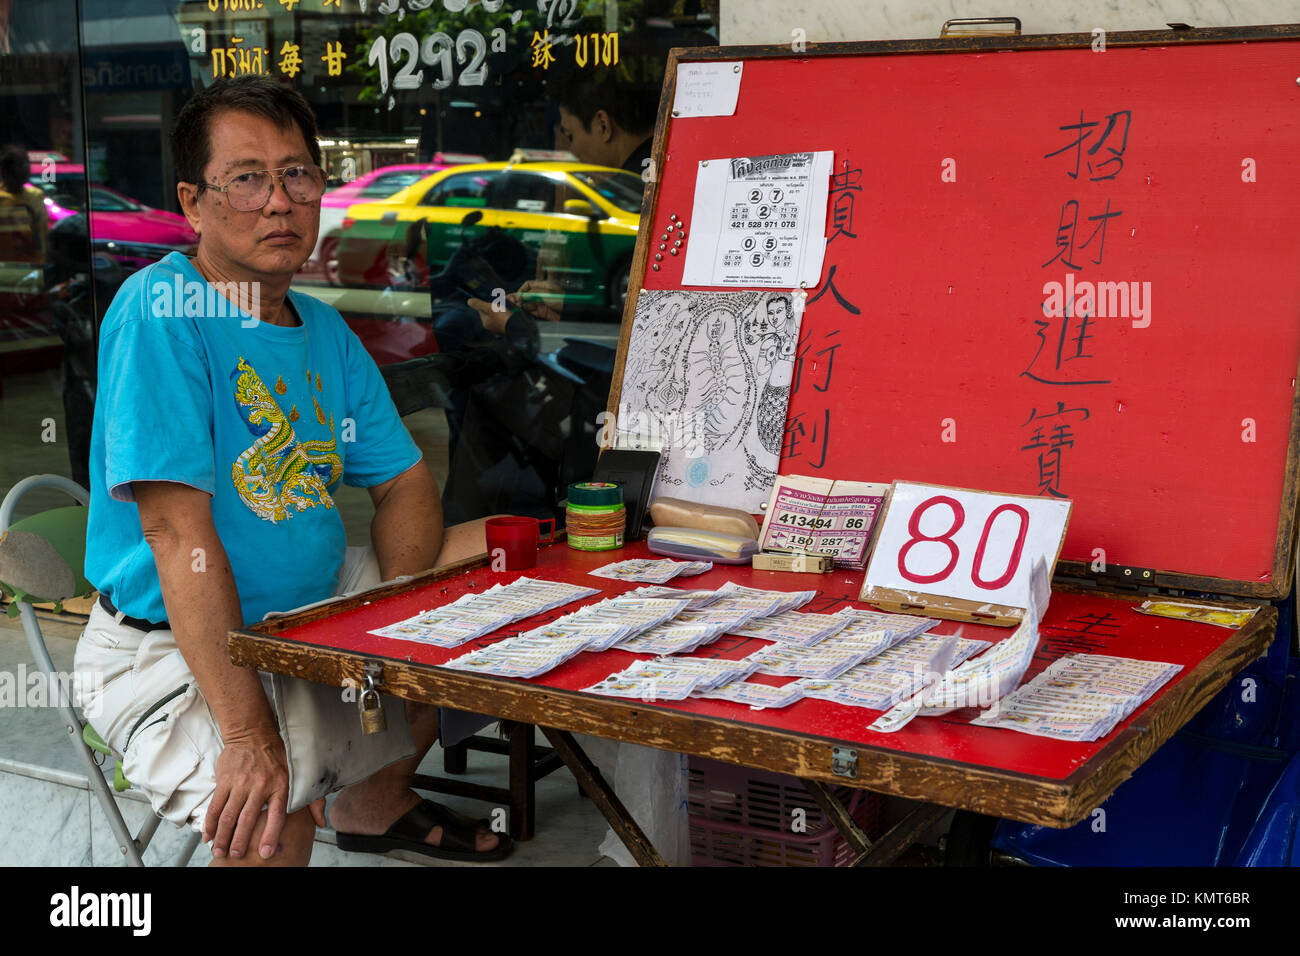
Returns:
<point x="515" y="540"/>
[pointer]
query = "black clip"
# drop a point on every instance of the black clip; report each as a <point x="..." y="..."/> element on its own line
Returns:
<point x="1127" y="577"/>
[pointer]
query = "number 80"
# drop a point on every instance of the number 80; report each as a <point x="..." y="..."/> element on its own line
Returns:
<point x="959" y="518"/>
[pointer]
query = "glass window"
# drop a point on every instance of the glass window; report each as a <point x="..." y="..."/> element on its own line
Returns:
<point x="383" y="186"/>
<point x="620" y="189"/>
<point x="399" y="89"/>
<point x="530" y="192"/>
<point x="105" y="200"/>
<point x="464" y="189"/>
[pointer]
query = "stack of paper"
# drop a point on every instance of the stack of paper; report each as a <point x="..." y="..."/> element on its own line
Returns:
<point x="595" y="627"/>
<point x="892" y="675"/>
<point x="448" y="626"/>
<point x="525" y="597"/>
<point x="474" y="615"/>
<point x="651" y="571"/>
<point x="671" y="678"/>
<point x="1080" y="697"/>
<point x="614" y="620"/>
<point x="787" y="600"/>
<point x="794" y="627"/>
<point x="689" y="630"/>
<point x="755" y="695"/>
<point x="984" y="680"/>
<point x="712" y="671"/>
<point x="698" y="598"/>
<point x="521" y="656"/>
<point x="903" y="627"/>
<point x="648" y="680"/>
<point x="789" y="660"/>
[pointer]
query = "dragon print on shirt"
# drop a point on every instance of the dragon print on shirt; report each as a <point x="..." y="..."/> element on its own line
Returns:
<point x="279" y="475"/>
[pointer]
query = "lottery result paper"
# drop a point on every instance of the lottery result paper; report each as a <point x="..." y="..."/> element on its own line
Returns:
<point x="821" y="516"/>
<point x="759" y="221"/>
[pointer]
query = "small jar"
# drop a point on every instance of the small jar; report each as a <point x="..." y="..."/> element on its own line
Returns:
<point x="595" y="519"/>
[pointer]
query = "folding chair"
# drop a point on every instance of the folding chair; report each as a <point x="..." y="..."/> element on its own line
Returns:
<point x="41" y="560"/>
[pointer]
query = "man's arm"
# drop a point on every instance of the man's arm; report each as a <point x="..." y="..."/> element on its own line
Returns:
<point x="406" y="531"/>
<point x="202" y="606"/>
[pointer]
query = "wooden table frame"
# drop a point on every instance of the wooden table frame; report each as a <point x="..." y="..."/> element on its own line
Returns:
<point x="938" y="783"/>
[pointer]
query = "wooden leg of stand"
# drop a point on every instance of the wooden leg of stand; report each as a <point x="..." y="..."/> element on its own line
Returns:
<point x="523" y="792"/>
<point x="591" y="781"/>
<point x="455" y="759"/>
<point x="838" y="815"/>
<point x="902" y="835"/>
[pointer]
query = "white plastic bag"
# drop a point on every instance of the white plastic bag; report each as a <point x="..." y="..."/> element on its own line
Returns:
<point x="652" y="786"/>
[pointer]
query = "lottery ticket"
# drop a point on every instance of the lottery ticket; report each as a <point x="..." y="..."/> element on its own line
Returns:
<point x="648" y="680"/>
<point x="712" y="671"/>
<point x="670" y="638"/>
<point x="1080" y="697"/>
<point x="789" y="600"/>
<point x="755" y="695"/>
<point x="688" y="630"/>
<point x="784" y="660"/>
<point x="598" y="635"/>
<point x="870" y="694"/>
<point x="906" y="626"/>
<point x="898" y="716"/>
<point x="929" y="652"/>
<point x="870" y="641"/>
<point x="793" y="627"/>
<point x="697" y="598"/>
<point x="651" y="571"/>
<point x="821" y="516"/>
<point x="617" y="619"/>
<point x="474" y="615"/>
<point x="520" y="656"/>
<point x="975" y="683"/>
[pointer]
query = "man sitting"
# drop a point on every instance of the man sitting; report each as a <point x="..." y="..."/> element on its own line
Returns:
<point x="220" y="437"/>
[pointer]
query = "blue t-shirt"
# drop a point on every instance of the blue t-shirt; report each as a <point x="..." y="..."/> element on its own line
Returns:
<point x="267" y="419"/>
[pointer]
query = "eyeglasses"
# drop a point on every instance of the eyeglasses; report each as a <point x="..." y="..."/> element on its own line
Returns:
<point x="249" y="191"/>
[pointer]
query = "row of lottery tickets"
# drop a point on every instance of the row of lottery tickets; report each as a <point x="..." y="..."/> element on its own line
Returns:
<point x="853" y="657"/>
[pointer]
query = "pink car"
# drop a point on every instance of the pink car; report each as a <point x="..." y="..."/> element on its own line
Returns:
<point x="131" y="232"/>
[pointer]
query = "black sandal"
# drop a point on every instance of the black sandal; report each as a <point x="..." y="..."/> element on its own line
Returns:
<point x="459" y="834"/>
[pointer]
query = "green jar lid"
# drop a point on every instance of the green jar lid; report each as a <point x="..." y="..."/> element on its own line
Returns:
<point x="596" y="494"/>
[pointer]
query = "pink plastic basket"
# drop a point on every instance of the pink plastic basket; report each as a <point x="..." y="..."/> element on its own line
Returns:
<point x="742" y="817"/>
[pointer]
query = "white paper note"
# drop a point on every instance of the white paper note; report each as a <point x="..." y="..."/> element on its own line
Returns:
<point x="707" y="89"/>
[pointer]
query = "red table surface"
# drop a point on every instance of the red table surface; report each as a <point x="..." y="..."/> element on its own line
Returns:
<point x="1074" y="623"/>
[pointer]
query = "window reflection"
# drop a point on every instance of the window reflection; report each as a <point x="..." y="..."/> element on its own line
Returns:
<point x="483" y="267"/>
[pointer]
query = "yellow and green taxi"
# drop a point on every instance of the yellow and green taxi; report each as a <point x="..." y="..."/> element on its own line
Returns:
<point x="576" y="226"/>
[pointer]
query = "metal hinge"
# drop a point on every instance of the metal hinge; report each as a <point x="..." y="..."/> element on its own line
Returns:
<point x="1127" y="577"/>
<point x="844" y="762"/>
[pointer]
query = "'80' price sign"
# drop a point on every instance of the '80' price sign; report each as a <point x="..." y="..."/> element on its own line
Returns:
<point x="969" y="546"/>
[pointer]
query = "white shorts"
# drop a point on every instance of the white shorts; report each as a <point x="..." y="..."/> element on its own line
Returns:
<point x="148" y="707"/>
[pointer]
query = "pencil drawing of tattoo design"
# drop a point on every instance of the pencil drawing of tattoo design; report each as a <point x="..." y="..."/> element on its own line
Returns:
<point x="278" y="475"/>
<point x="708" y="374"/>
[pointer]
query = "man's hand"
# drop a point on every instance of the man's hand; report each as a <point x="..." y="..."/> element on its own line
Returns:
<point x="494" y="320"/>
<point x="252" y="771"/>
<point x="540" y="298"/>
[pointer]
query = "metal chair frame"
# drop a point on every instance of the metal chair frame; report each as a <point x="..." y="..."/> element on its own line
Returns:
<point x="132" y="847"/>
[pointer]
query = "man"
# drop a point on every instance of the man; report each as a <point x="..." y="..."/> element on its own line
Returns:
<point x="220" y="435"/>
<point x="606" y="124"/>
<point x="24" y="220"/>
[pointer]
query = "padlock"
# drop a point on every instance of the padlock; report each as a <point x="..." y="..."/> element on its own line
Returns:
<point x="373" y="720"/>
